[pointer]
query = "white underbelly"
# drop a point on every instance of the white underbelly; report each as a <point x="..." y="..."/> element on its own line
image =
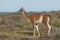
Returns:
<point x="40" y="20"/>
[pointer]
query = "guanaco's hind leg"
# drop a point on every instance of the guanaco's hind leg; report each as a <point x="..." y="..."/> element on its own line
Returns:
<point x="49" y="27"/>
<point x="46" y="22"/>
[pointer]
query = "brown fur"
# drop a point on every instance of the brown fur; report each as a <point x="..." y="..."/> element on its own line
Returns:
<point x="35" y="17"/>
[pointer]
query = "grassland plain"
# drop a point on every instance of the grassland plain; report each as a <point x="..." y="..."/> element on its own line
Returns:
<point x="13" y="26"/>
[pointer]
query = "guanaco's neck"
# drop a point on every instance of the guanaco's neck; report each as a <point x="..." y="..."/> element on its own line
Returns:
<point x="25" y="15"/>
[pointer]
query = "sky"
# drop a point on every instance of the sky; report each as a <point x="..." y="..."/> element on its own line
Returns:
<point x="29" y="5"/>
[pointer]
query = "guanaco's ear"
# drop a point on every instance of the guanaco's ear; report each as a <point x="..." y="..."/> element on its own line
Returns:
<point x="21" y="7"/>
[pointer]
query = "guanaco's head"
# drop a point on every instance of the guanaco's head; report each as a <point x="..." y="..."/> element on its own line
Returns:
<point x="21" y="10"/>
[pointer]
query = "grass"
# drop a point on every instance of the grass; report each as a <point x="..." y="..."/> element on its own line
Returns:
<point x="15" y="27"/>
